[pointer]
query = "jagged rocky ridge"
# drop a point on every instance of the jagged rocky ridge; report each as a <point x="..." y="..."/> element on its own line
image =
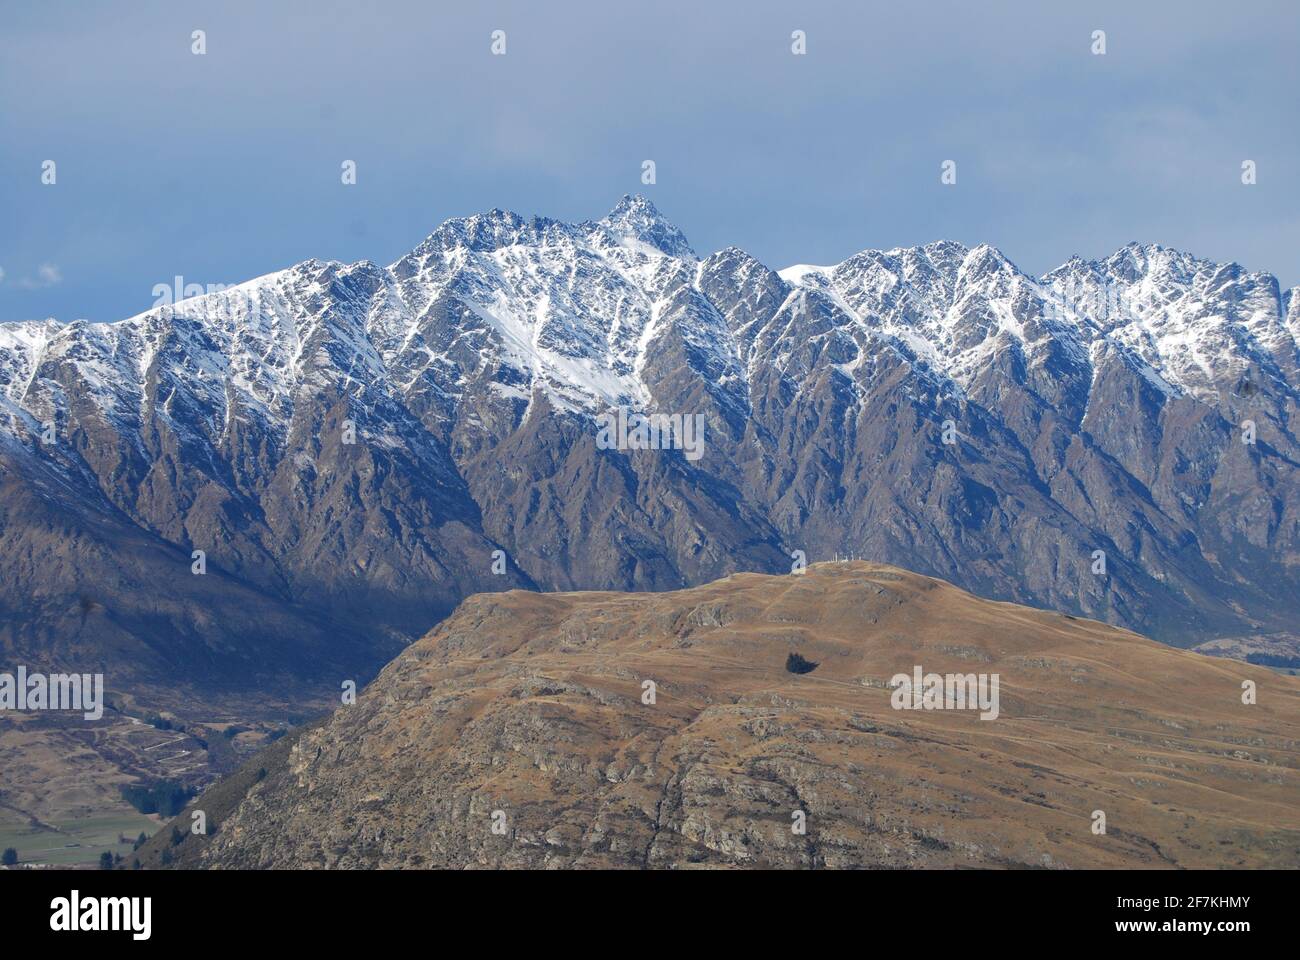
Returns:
<point x="1096" y="408"/>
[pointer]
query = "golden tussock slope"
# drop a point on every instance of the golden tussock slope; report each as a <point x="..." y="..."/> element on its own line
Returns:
<point x="525" y="710"/>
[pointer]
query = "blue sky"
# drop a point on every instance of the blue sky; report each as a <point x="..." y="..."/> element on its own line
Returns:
<point x="225" y="166"/>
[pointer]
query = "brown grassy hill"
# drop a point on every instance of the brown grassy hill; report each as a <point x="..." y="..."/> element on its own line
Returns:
<point x="530" y="706"/>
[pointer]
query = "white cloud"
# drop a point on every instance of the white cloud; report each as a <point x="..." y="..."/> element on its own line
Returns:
<point x="47" y="275"/>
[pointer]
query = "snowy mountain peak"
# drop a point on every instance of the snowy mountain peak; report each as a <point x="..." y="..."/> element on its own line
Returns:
<point x="485" y="232"/>
<point x="637" y="219"/>
<point x="984" y="259"/>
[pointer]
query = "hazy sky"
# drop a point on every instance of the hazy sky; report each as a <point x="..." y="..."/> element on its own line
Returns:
<point x="225" y="166"/>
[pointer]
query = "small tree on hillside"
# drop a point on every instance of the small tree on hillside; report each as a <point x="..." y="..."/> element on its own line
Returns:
<point x="797" y="664"/>
<point x="9" y="857"/>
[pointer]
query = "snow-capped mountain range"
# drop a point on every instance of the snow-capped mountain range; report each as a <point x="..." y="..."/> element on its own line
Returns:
<point x="1099" y="407"/>
<point x="573" y="308"/>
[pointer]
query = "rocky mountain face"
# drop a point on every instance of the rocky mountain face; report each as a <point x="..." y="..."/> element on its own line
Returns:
<point x="348" y="445"/>
<point x="522" y="733"/>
